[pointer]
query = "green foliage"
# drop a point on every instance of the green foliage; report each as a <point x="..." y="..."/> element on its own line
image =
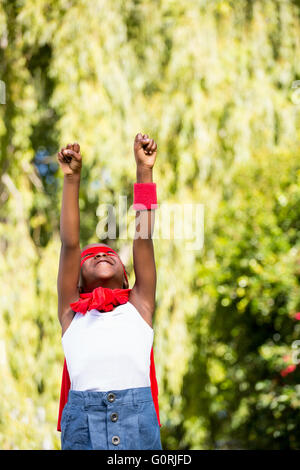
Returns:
<point x="249" y="281"/>
<point x="211" y="81"/>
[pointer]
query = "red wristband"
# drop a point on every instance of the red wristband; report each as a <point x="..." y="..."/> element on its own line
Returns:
<point x="144" y="196"/>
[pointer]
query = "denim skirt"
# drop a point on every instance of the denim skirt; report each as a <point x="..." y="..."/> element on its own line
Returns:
<point x="115" y="420"/>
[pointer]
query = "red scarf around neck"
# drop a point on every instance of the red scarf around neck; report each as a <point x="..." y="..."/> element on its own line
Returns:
<point x="102" y="299"/>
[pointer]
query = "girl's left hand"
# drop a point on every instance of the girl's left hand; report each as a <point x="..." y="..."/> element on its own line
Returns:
<point x="145" y="150"/>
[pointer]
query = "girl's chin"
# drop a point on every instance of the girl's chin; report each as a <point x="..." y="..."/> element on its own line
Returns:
<point x="104" y="267"/>
<point x="105" y="275"/>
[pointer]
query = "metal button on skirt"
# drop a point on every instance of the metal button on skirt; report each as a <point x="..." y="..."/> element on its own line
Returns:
<point x="115" y="420"/>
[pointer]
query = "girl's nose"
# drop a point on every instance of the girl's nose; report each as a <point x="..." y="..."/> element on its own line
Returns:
<point x="100" y="254"/>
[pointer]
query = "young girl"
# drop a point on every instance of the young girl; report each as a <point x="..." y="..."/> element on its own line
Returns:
<point x="109" y="389"/>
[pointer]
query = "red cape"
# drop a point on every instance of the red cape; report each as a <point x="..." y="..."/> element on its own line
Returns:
<point x="106" y="299"/>
<point x="66" y="383"/>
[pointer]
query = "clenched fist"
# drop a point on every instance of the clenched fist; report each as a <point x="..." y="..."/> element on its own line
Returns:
<point x="145" y="150"/>
<point x="70" y="159"/>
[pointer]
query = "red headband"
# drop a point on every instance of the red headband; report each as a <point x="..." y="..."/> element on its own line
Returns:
<point x="92" y="251"/>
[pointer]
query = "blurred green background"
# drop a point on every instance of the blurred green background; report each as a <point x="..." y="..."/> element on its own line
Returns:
<point x="215" y="84"/>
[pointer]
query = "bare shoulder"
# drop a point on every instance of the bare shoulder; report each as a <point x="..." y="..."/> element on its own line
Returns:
<point x="145" y="310"/>
<point x="66" y="320"/>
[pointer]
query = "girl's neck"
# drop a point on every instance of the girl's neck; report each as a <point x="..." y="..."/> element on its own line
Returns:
<point x="106" y="285"/>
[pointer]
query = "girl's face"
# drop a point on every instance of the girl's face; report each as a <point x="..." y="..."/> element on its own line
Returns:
<point x="103" y="269"/>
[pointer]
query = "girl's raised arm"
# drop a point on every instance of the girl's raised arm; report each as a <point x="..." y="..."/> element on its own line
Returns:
<point x="142" y="295"/>
<point x="69" y="159"/>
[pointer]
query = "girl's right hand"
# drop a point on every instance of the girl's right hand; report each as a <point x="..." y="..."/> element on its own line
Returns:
<point x="70" y="159"/>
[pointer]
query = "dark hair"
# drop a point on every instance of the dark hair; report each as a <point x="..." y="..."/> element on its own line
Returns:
<point x="125" y="283"/>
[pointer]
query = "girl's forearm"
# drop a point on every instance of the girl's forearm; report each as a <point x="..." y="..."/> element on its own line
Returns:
<point x="144" y="175"/>
<point x="70" y="217"/>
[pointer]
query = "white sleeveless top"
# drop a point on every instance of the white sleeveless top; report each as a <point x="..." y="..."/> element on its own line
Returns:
<point x="108" y="350"/>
